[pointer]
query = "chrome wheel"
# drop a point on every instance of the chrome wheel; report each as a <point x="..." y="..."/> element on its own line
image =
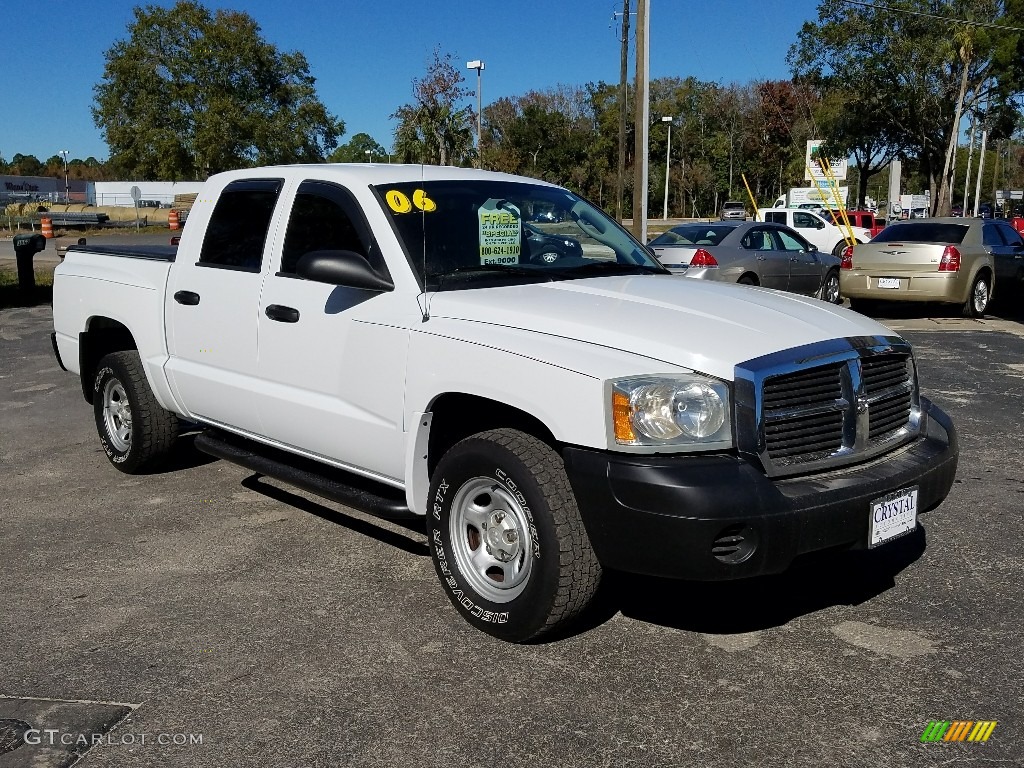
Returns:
<point x="830" y="290"/>
<point x="491" y="541"/>
<point x="979" y="297"/>
<point x="117" y="415"/>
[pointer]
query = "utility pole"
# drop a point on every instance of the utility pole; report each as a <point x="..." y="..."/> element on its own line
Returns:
<point x="623" y="74"/>
<point x="970" y="160"/>
<point x="642" y="122"/>
<point x="981" y="170"/>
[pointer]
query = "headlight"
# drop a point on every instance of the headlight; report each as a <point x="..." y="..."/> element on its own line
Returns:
<point x="672" y="411"/>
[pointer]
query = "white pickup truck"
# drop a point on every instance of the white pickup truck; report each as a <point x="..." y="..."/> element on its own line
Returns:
<point x="433" y="342"/>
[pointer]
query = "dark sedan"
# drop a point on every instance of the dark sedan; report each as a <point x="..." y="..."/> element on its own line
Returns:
<point x="545" y="248"/>
<point x="751" y="252"/>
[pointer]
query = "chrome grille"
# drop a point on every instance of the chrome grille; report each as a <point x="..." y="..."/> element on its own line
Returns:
<point x="826" y="405"/>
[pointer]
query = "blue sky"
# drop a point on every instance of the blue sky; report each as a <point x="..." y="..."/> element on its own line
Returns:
<point x="364" y="55"/>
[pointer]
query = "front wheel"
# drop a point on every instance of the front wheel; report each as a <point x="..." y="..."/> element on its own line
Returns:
<point x="506" y="536"/>
<point x="830" y="288"/>
<point x="135" y="431"/>
<point x="978" y="298"/>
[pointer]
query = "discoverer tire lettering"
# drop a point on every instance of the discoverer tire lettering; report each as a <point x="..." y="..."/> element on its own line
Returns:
<point x="506" y="537"/>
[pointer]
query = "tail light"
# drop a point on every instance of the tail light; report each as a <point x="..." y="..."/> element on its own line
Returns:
<point x="950" y="261"/>
<point x="847" y="259"/>
<point x="703" y="259"/>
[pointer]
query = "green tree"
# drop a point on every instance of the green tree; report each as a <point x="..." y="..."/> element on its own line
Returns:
<point x="355" y="151"/>
<point x="26" y="165"/>
<point x="434" y="128"/>
<point x="927" y="63"/>
<point x="190" y="93"/>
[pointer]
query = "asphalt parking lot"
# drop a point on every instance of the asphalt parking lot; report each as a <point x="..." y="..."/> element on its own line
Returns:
<point x="206" y="617"/>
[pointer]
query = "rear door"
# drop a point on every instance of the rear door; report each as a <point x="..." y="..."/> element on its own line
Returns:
<point x="212" y="305"/>
<point x="332" y="358"/>
<point x="772" y="262"/>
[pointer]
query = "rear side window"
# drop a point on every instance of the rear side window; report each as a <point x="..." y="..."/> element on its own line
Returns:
<point x="238" y="227"/>
<point x="922" y="232"/>
<point x="778" y="217"/>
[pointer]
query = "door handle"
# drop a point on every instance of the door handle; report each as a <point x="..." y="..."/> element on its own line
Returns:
<point x="282" y="314"/>
<point x="187" y="297"/>
<point x="793" y="258"/>
<point x="760" y="258"/>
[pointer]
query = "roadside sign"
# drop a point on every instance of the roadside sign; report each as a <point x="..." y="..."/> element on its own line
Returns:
<point x="136" y="194"/>
<point x="812" y="170"/>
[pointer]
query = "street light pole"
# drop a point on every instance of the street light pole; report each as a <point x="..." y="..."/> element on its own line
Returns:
<point x="478" y="65"/>
<point x="668" y="154"/>
<point x="67" y="186"/>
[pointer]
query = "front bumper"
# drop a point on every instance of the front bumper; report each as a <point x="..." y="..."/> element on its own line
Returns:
<point x="675" y="516"/>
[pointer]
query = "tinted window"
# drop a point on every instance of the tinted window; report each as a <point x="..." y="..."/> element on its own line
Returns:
<point x="693" y="234"/>
<point x="758" y="240"/>
<point x="1010" y="235"/>
<point x="326" y="217"/>
<point x="778" y="217"/>
<point x="990" y="235"/>
<point x="238" y="227"/>
<point x="922" y="232"/>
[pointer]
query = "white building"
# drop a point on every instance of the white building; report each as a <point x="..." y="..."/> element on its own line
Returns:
<point x="120" y="192"/>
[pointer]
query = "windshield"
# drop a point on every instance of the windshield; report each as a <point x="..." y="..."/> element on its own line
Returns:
<point x="467" y="233"/>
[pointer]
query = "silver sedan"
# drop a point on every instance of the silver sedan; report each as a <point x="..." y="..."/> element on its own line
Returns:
<point x="751" y="252"/>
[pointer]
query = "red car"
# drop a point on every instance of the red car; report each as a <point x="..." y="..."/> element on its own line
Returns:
<point x="865" y="219"/>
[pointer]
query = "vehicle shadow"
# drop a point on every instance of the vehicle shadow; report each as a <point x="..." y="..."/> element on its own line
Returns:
<point x="414" y="544"/>
<point x="1009" y="305"/>
<point x="183" y="455"/>
<point x="812" y="584"/>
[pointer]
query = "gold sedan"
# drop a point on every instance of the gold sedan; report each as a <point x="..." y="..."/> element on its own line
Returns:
<point x="946" y="260"/>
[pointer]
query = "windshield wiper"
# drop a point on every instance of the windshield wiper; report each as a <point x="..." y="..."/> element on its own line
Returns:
<point x="507" y="269"/>
<point x="614" y="266"/>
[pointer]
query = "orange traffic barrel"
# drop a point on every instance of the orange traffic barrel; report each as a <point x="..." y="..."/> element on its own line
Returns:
<point x="172" y="219"/>
<point x="47" y="227"/>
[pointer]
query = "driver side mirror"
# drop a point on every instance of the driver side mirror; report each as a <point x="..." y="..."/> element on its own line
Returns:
<point x="346" y="268"/>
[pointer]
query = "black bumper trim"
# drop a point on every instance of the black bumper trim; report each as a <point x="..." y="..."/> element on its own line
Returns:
<point x="56" y="350"/>
<point x="661" y="515"/>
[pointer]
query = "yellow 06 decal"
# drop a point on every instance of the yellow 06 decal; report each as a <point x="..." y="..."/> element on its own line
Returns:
<point x="399" y="201"/>
<point x="421" y="201"/>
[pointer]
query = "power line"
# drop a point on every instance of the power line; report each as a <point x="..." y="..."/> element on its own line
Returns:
<point x="965" y="22"/>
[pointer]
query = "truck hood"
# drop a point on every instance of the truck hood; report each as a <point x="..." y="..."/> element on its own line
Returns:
<point x="704" y="326"/>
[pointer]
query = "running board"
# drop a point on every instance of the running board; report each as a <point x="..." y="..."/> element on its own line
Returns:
<point x="334" y="484"/>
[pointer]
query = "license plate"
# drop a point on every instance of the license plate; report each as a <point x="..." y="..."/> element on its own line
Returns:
<point x="888" y="282"/>
<point x="893" y="516"/>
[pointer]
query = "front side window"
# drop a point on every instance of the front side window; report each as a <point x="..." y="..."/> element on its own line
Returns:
<point x="791" y="242"/>
<point x="806" y="221"/>
<point x="325" y="217"/>
<point x="238" y="227"/>
<point x="467" y="233"/>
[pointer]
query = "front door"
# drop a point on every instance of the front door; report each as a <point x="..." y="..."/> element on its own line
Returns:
<point x="332" y="358"/>
<point x="805" y="268"/>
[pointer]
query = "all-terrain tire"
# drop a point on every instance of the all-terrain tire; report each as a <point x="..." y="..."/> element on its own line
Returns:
<point x="506" y="536"/>
<point x="136" y="433"/>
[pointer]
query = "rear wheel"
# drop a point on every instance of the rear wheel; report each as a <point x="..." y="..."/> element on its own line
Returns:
<point x="135" y="431"/>
<point x="506" y="536"/>
<point x="978" y="298"/>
